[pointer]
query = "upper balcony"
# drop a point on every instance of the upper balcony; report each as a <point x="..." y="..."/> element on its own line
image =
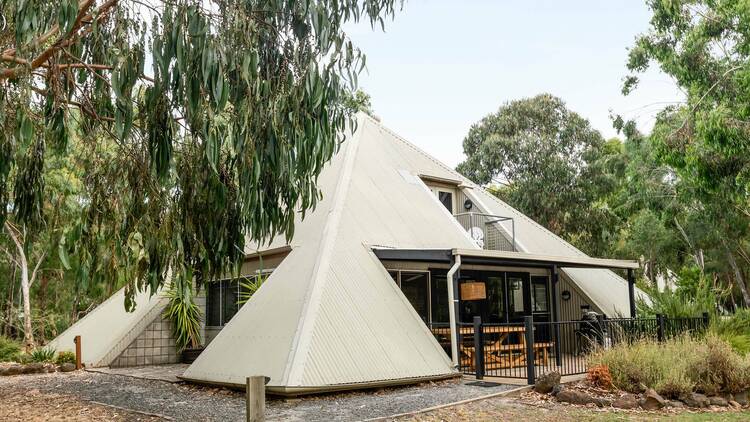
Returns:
<point x="487" y="231"/>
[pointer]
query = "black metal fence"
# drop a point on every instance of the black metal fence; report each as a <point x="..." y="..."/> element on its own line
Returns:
<point x="532" y="348"/>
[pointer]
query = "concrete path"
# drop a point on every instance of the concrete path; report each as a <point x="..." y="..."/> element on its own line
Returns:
<point x="168" y="373"/>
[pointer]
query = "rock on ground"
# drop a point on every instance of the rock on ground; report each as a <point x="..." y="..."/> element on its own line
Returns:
<point x="652" y="400"/>
<point x="695" y="400"/>
<point x="547" y="382"/>
<point x="626" y="401"/>
<point x="579" y="397"/>
<point x="67" y="367"/>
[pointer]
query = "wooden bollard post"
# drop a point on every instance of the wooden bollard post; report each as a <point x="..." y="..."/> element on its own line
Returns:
<point x="77" y="341"/>
<point x="255" y="398"/>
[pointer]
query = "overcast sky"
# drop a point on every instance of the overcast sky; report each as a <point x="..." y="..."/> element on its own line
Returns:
<point x="442" y="65"/>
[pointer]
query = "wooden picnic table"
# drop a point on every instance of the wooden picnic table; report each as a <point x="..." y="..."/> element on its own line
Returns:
<point x="498" y="353"/>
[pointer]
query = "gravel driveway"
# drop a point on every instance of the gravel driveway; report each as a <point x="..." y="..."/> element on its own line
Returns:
<point x="188" y="402"/>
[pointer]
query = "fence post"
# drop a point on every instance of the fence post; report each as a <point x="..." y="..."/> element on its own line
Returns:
<point x="528" y="322"/>
<point x="478" y="348"/>
<point x="255" y="398"/>
<point x="705" y="320"/>
<point x="77" y="341"/>
<point x="660" y="327"/>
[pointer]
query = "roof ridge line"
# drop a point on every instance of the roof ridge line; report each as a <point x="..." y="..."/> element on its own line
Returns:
<point x="295" y="362"/>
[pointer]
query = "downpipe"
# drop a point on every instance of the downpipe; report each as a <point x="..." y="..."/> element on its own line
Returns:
<point x="453" y="301"/>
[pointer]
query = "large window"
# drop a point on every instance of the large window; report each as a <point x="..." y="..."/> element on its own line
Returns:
<point x="416" y="288"/>
<point x="224" y="297"/>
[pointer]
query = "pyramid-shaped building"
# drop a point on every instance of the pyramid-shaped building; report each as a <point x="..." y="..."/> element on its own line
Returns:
<point x="351" y="300"/>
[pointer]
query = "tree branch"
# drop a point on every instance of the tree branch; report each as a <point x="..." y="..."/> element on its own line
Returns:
<point x="46" y="54"/>
<point x="36" y="268"/>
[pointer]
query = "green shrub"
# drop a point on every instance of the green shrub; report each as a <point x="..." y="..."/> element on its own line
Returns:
<point x="65" y="357"/>
<point x="677" y="366"/>
<point x="734" y="329"/>
<point x="42" y="354"/>
<point x="719" y="369"/>
<point x="9" y="350"/>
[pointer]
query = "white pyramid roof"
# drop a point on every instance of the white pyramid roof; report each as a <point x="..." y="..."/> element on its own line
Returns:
<point x="330" y="316"/>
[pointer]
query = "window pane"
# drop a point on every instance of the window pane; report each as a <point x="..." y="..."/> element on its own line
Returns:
<point x="213" y="304"/>
<point x="229" y="301"/>
<point x="539" y="297"/>
<point x="496" y="299"/>
<point x="515" y="286"/>
<point x="414" y="286"/>
<point x="447" y="199"/>
<point x="439" y="298"/>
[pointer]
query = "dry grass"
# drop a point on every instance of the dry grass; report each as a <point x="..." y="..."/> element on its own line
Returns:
<point x="677" y="366"/>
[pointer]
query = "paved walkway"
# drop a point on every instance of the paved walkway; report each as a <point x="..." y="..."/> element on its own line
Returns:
<point x="168" y="373"/>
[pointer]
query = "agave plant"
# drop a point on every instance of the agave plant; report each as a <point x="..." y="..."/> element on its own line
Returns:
<point x="184" y="314"/>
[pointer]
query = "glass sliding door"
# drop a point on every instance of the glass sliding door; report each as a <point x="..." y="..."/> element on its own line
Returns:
<point x="519" y="297"/>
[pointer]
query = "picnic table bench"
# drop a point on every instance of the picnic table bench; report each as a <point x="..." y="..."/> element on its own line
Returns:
<point x="500" y="353"/>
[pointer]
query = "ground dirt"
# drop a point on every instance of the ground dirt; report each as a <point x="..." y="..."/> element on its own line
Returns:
<point x="83" y="396"/>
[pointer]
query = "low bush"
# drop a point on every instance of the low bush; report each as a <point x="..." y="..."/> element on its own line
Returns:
<point x="10" y="350"/>
<point x="42" y="354"/>
<point x="65" y="357"/>
<point x="677" y="366"/>
<point x="734" y="329"/>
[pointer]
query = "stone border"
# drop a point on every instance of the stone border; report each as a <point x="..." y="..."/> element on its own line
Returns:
<point x="504" y="393"/>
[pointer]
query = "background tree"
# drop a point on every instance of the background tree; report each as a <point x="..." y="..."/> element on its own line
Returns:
<point x="540" y="154"/>
<point x="705" y="47"/>
<point x="200" y="124"/>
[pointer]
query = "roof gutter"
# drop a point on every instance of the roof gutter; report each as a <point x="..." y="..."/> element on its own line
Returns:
<point x="452" y="309"/>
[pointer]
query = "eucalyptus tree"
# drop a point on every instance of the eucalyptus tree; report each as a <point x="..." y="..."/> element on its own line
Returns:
<point x="541" y="153"/>
<point x="202" y="124"/>
<point x="705" y="47"/>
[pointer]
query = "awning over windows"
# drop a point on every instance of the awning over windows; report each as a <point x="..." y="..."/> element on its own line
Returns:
<point x="488" y="257"/>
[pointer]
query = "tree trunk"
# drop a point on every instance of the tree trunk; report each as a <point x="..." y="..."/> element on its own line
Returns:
<point x="43" y="284"/>
<point x="23" y="264"/>
<point x="738" y="276"/>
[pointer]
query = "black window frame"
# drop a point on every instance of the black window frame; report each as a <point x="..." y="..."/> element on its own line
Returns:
<point x="235" y="283"/>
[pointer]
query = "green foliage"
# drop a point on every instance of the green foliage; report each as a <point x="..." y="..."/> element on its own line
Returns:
<point x="694" y="296"/>
<point x="194" y="127"/>
<point x="542" y="155"/>
<point x="248" y="287"/>
<point x="359" y="101"/>
<point x="184" y="314"/>
<point x="704" y="46"/>
<point x="676" y="366"/>
<point x="734" y="329"/>
<point x="42" y="354"/>
<point x="65" y="357"/>
<point x="9" y="350"/>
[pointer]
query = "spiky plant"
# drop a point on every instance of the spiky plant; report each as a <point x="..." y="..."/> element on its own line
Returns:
<point x="184" y="314"/>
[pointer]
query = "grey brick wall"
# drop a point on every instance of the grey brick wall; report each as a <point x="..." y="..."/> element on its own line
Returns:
<point x="154" y="346"/>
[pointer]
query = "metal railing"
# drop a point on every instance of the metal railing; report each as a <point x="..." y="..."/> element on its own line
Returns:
<point x="486" y="230"/>
<point x="532" y="348"/>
